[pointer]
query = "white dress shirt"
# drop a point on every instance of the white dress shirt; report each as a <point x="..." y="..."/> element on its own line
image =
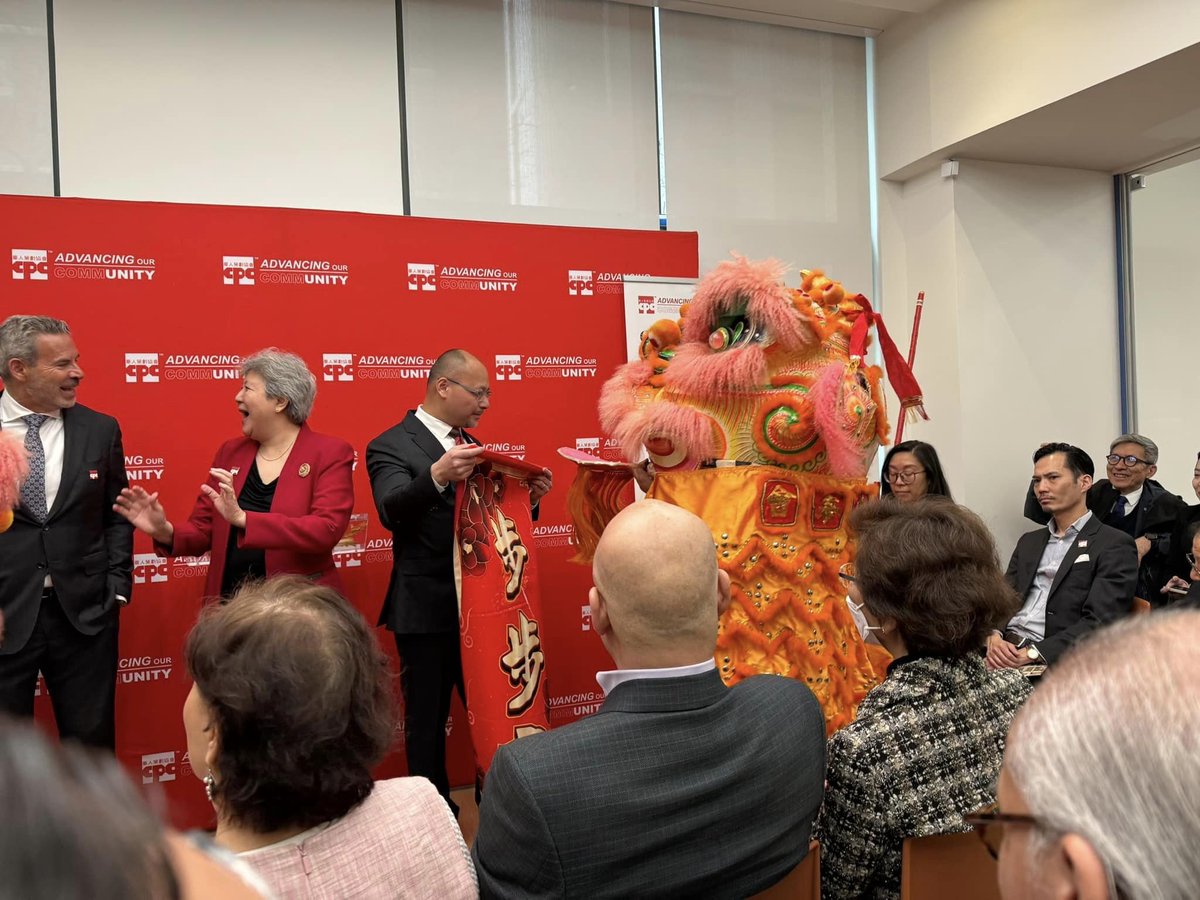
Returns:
<point x="609" y="680"/>
<point x="12" y="416"/>
<point x="1131" y="500"/>
<point x="440" y="430"/>
<point x="1030" y="622"/>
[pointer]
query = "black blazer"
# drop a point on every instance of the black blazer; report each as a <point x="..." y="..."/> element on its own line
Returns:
<point x="421" y="596"/>
<point x="1154" y="519"/>
<point x="1181" y="544"/>
<point x="1086" y="593"/>
<point x="86" y="548"/>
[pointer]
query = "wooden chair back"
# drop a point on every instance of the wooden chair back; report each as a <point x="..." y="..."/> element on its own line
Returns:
<point x="802" y="883"/>
<point x="947" y="867"/>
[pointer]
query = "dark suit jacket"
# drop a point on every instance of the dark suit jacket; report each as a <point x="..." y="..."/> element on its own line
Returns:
<point x="1182" y="533"/>
<point x="1154" y="519"/>
<point x="421" y="596"/>
<point x="677" y="787"/>
<point x="85" y="547"/>
<point x="308" y="516"/>
<point x="1085" y="593"/>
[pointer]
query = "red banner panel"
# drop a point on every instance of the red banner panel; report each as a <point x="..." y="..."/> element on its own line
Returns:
<point x="164" y="301"/>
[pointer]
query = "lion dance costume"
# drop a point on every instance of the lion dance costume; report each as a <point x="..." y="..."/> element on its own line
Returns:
<point x="14" y="469"/>
<point x="761" y="417"/>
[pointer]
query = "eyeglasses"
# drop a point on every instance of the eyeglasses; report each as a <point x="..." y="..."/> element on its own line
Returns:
<point x="847" y="572"/>
<point x="905" y="477"/>
<point x="478" y="393"/>
<point x="989" y="823"/>
<point x="1128" y="460"/>
<point x="1191" y="558"/>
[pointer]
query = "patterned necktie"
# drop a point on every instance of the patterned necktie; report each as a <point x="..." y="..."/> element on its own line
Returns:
<point x="33" y="491"/>
<point x="1119" y="509"/>
<point x="457" y="434"/>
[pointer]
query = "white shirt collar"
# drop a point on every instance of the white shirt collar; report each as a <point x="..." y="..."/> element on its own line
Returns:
<point x="12" y="412"/>
<point x="609" y="680"/>
<point x="1077" y="525"/>
<point x="439" y="428"/>
<point x="1132" y="498"/>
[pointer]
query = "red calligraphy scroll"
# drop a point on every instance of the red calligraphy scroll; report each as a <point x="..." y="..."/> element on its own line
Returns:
<point x="504" y="665"/>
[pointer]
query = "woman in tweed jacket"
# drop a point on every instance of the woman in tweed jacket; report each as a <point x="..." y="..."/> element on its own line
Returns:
<point x="926" y="746"/>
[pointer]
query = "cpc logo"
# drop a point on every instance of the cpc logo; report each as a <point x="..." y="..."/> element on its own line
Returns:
<point x="645" y="305"/>
<point x="30" y="264"/>
<point x="588" y="445"/>
<point x="237" y="270"/>
<point x="422" y="277"/>
<point x="508" y="368"/>
<point x="579" y="282"/>
<point x="158" y="767"/>
<point x="141" y="367"/>
<point x="586" y="624"/>
<point x="337" y="366"/>
<point x="148" y="567"/>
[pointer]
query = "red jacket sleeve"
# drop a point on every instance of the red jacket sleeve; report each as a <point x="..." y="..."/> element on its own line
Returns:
<point x="194" y="537"/>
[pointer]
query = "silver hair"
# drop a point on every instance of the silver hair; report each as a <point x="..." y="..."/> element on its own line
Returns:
<point x="1106" y="749"/>
<point x="1142" y="441"/>
<point x="285" y="376"/>
<point x="18" y="338"/>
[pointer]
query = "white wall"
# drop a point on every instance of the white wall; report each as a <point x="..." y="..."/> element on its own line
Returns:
<point x="1165" y="231"/>
<point x="26" y="164"/>
<point x="969" y="65"/>
<point x="270" y="102"/>
<point x="1019" y="336"/>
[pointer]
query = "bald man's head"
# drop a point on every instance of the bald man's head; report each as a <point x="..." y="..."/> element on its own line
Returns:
<point x="656" y="571"/>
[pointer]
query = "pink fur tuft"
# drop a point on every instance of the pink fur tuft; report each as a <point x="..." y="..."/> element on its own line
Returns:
<point x="768" y="302"/>
<point x="705" y="375"/>
<point x="686" y="427"/>
<point x="845" y="456"/>
<point x="14" y="469"/>
<point x="618" y="397"/>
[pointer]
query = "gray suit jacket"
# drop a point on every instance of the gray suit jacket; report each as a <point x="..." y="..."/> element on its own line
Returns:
<point x="676" y="787"/>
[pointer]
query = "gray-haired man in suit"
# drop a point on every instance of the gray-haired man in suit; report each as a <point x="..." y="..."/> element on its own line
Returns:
<point x="679" y="785"/>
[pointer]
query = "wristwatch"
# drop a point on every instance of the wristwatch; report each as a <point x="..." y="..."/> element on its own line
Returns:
<point x="1033" y="652"/>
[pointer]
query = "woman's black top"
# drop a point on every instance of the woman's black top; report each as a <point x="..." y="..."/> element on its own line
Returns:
<point x="242" y="563"/>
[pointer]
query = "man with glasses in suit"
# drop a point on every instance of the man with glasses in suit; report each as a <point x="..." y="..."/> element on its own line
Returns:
<point x="1074" y="575"/>
<point x="415" y="468"/>
<point x="1131" y="501"/>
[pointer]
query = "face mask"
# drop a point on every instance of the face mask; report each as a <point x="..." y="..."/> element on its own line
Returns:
<point x="865" y="629"/>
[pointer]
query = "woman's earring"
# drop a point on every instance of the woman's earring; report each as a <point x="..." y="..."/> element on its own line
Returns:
<point x="210" y="785"/>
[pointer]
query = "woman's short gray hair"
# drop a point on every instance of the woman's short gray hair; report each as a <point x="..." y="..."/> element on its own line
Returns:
<point x="1106" y="748"/>
<point x="285" y="376"/>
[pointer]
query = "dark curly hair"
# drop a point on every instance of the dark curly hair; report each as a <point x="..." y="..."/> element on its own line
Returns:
<point x="932" y="566"/>
<point x="301" y="698"/>
<point x="935" y="478"/>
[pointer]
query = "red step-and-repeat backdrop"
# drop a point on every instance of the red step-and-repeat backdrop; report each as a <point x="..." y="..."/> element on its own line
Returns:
<point x="165" y="299"/>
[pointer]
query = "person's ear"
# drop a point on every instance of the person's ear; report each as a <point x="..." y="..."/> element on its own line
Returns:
<point x="724" y="595"/>
<point x="1085" y="870"/>
<point x="1086" y="481"/>
<point x="1150" y="471"/>
<point x="213" y="747"/>
<point x="600" y="622"/>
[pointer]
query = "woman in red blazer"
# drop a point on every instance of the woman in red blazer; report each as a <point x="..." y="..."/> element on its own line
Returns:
<point x="278" y="498"/>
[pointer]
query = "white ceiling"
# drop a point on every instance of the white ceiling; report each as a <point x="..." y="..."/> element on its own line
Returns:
<point x="857" y="17"/>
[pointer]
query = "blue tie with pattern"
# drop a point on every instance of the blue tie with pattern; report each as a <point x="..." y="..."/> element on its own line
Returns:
<point x="33" y="491"/>
<point x="1119" y="509"/>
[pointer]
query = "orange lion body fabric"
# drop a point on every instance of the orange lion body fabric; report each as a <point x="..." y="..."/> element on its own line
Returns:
<point x="782" y="552"/>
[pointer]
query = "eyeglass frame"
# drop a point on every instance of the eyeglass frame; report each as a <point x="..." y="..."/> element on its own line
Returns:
<point x="480" y="394"/>
<point x="851" y="575"/>
<point x="1112" y="459"/>
<point x="906" y="477"/>
<point x="991" y="819"/>
<point x="1191" y="558"/>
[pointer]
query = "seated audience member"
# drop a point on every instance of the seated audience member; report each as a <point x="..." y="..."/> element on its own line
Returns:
<point x="1075" y="575"/>
<point x="911" y="470"/>
<point x="1131" y="501"/>
<point x="926" y="745"/>
<point x="678" y="786"/>
<point x="1179" y="567"/>
<point x="74" y="826"/>
<point x="290" y="710"/>
<point x="1098" y="793"/>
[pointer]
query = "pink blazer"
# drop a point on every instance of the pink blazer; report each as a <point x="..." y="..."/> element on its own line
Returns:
<point x="401" y="841"/>
<point x="309" y="514"/>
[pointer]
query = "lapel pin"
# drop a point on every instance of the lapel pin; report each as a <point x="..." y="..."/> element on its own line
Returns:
<point x="93" y="474"/>
<point x="305" y="468"/>
<point x="235" y="470"/>
<point x="1082" y="544"/>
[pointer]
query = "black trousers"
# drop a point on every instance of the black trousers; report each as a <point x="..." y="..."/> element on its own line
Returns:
<point x="430" y="669"/>
<point x="80" y="672"/>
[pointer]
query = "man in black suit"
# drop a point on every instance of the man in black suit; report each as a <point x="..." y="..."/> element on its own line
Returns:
<point x="1074" y="576"/>
<point x="678" y="786"/>
<point x="1131" y="501"/>
<point x="415" y="467"/>
<point x="66" y="564"/>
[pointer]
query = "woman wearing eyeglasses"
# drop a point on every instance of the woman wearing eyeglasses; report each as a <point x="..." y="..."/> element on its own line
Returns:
<point x="926" y="746"/>
<point x="277" y="499"/>
<point x="911" y="470"/>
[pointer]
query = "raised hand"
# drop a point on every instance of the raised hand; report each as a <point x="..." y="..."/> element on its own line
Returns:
<point x="145" y="513"/>
<point x="224" y="498"/>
